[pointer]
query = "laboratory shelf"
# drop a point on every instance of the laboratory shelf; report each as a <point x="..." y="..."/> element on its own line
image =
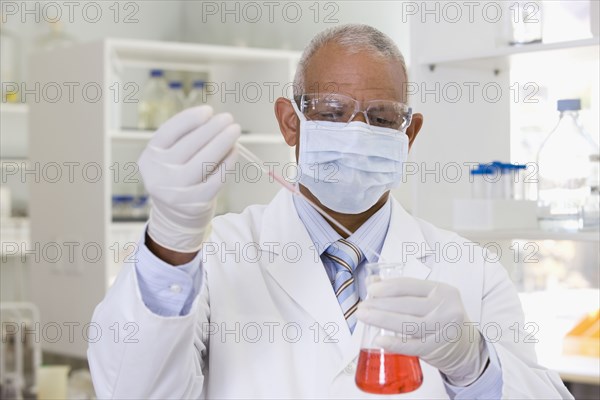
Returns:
<point x="576" y="369"/>
<point x="246" y="138"/>
<point x="496" y="56"/>
<point x="124" y="227"/>
<point x="14" y="108"/>
<point x="176" y="56"/>
<point x="532" y="234"/>
<point x="261" y="138"/>
<point x="131" y="135"/>
<point x="155" y="51"/>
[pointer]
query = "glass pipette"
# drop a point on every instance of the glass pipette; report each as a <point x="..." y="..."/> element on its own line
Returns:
<point x="250" y="156"/>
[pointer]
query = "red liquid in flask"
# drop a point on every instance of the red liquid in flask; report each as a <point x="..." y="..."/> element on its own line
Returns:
<point x="387" y="373"/>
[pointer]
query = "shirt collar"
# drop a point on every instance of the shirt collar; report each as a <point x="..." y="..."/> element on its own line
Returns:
<point x="368" y="237"/>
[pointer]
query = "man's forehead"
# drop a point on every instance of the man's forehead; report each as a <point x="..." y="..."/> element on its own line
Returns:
<point x="360" y="75"/>
<point x="360" y="88"/>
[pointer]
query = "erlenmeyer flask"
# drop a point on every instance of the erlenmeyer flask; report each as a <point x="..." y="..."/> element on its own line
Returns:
<point x="380" y="371"/>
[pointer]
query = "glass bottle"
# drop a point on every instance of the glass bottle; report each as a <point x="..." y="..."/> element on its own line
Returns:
<point x="197" y="95"/>
<point x="379" y="371"/>
<point x="563" y="171"/>
<point x="175" y="100"/>
<point x="56" y="38"/>
<point x="150" y="108"/>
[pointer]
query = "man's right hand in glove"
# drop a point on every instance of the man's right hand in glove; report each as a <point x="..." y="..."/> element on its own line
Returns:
<point x="181" y="172"/>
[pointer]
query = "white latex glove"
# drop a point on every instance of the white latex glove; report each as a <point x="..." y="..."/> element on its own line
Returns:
<point x="181" y="171"/>
<point x="428" y="318"/>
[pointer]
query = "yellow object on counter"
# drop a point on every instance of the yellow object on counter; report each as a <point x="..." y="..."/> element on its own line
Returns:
<point x="584" y="338"/>
<point x="11" y="97"/>
<point x="52" y="382"/>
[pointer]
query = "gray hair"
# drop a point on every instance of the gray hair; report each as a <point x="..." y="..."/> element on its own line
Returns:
<point x="354" y="38"/>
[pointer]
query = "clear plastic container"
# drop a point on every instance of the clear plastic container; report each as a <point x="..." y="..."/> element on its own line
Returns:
<point x="151" y="110"/>
<point x="521" y="189"/>
<point x="482" y="186"/>
<point x="499" y="180"/>
<point x="510" y="183"/>
<point x="379" y="371"/>
<point x="197" y="96"/>
<point x="564" y="170"/>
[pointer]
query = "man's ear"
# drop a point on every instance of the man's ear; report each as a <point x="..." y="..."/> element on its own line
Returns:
<point x="414" y="128"/>
<point x="289" y="124"/>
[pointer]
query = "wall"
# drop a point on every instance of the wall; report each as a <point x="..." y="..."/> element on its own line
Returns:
<point x="286" y="25"/>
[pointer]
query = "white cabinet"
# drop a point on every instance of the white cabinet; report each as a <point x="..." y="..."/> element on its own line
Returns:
<point x="89" y="136"/>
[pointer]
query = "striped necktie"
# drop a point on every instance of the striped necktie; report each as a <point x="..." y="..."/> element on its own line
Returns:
<point x="345" y="257"/>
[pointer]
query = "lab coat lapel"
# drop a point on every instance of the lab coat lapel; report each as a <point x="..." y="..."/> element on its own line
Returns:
<point x="351" y="348"/>
<point x="405" y="242"/>
<point x="304" y="279"/>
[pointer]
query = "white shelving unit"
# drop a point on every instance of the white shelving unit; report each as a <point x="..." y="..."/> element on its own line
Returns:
<point x="583" y="236"/>
<point x="494" y="57"/>
<point x="13" y="108"/>
<point x="94" y="134"/>
<point x="144" y="136"/>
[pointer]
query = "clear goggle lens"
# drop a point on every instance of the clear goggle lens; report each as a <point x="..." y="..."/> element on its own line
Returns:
<point x="335" y="107"/>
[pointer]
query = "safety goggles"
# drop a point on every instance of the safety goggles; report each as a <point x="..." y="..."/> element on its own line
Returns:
<point x="335" y="107"/>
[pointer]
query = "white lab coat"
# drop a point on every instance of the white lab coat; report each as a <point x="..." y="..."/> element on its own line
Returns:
<point x="274" y="319"/>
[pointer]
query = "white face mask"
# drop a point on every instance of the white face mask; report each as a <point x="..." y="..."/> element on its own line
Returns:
<point x="349" y="166"/>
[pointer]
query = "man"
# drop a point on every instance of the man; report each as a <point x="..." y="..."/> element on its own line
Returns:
<point x="204" y="321"/>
